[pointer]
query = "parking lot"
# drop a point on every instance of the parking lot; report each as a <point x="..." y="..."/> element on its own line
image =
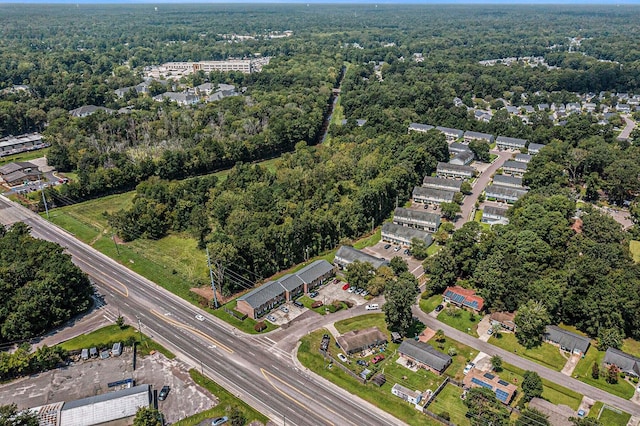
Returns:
<point x="89" y="378"/>
<point x="378" y="250"/>
<point x="284" y="313"/>
<point x="330" y="292"/>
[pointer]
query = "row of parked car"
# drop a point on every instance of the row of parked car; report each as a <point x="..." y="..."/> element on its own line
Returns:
<point x="350" y="289"/>
<point x="397" y="248"/>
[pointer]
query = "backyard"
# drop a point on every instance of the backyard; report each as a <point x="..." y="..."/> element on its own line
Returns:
<point x="460" y="319"/>
<point x="449" y="401"/>
<point x="545" y="354"/>
<point x="609" y="416"/>
<point x="583" y="370"/>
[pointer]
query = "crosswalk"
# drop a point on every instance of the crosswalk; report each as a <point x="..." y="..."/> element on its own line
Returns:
<point x="270" y="345"/>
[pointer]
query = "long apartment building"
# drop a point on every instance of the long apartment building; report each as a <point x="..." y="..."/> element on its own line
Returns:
<point x="432" y="196"/>
<point x="416" y="219"/>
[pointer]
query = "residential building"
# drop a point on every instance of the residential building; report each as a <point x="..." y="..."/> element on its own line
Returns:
<point x="10" y="145"/>
<point x="261" y="300"/>
<point x="627" y="364"/>
<point x="431" y="196"/>
<point x="514" y="168"/>
<point x="512" y="109"/>
<point x="463" y="297"/>
<point x="292" y="285"/>
<point x="462" y="158"/>
<point x="457" y="148"/>
<point x="504" y="194"/>
<point x="359" y="340"/>
<point x="504" y="142"/>
<point x="484" y="116"/>
<point x="424" y="356"/>
<point x="493" y="215"/>
<point x="403" y="235"/>
<point x="568" y="341"/>
<point x="316" y="274"/>
<point x="522" y="158"/>
<point x="528" y="109"/>
<point x="440" y="183"/>
<point x="557" y="415"/>
<point x="347" y="255"/>
<point x="454" y="171"/>
<point x="414" y="397"/>
<point x="457" y="102"/>
<point x="17" y="173"/>
<point x="417" y="127"/>
<point x="623" y="108"/>
<point x="534" y="148"/>
<point x="179" y="69"/>
<point x="508" y="180"/>
<point x="451" y="135"/>
<point x="543" y="107"/>
<point x="183" y="99"/>
<point x="477" y="136"/>
<point x="87" y="110"/>
<point x="417" y="219"/>
<point x="504" y="390"/>
<point x="506" y="320"/>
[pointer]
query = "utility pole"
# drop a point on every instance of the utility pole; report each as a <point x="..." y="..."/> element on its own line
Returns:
<point x="139" y="328"/>
<point x="44" y="199"/>
<point x="213" y="283"/>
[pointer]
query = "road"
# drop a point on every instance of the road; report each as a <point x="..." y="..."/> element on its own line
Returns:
<point x="544" y="372"/>
<point x="481" y="182"/>
<point x="628" y="128"/>
<point x="251" y="367"/>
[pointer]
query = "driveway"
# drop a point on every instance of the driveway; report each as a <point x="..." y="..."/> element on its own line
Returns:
<point x="483" y="327"/>
<point x="628" y="128"/>
<point x="468" y="206"/>
<point x="570" y="365"/>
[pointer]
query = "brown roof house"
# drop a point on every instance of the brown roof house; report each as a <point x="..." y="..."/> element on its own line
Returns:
<point x="505" y="319"/>
<point x="358" y="340"/>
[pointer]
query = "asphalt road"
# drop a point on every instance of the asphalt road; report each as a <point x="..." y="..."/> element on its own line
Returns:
<point x="628" y="128"/>
<point x="249" y="366"/>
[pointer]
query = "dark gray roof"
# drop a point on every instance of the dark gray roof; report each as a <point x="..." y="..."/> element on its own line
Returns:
<point x="624" y="361"/>
<point x="567" y="339"/>
<point x="432" y="193"/>
<point x="450" y="131"/>
<point x="417" y="216"/>
<point x="523" y="158"/>
<point x="314" y="270"/>
<point x="439" y="183"/>
<point x="507" y="180"/>
<point x="420" y="127"/>
<point x="465" y="157"/>
<point x="425" y="354"/>
<point x="514" y="165"/>
<point x="455" y="167"/>
<point x="17" y="166"/>
<point x="511" y="141"/>
<point x="88" y="110"/>
<point x="291" y="282"/>
<point x="347" y="254"/>
<point x="106" y="397"/>
<point x="405" y="232"/>
<point x="495" y="211"/>
<point x="478" y="135"/>
<point x="259" y="296"/>
<point x="457" y="147"/>
<point x="504" y="191"/>
<point x="535" y="146"/>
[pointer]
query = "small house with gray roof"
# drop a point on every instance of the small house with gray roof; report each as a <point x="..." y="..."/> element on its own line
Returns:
<point x="462" y="158"/>
<point x="504" y="193"/>
<point x="477" y="136"/>
<point x="534" y="148"/>
<point x="507" y="180"/>
<point x="424" y="356"/>
<point x="568" y="341"/>
<point x="403" y="235"/>
<point x="450" y="134"/>
<point x="346" y="255"/>
<point x="448" y="170"/>
<point x="457" y="148"/>
<point x="515" y="168"/>
<point x="493" y="215"/>
<point x="417" y="219"/>
<point x="431" y="196"/>
<point x="358" y="340"/>
<point x="628" y="364"/>
<point x="440" y="183"/>
<point x="504" y="142"/>
<point x="261" y="300"/>
<point x="522" y="158"/>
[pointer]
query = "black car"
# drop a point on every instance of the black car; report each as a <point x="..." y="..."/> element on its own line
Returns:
<point x="386" y="246"/>
<point x="298" y="304"/>
<point x="313" y="294"/>
<point x="439" y="308"/>
<point x="163" y="393"/>
<point x="324" y="345"/>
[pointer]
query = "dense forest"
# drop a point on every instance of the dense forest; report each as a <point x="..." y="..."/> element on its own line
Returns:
<point x="41" y="288"/>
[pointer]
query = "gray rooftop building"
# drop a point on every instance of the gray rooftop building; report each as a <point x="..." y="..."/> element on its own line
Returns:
<point x="403" y="235"/>
<point x="454" y="170"/>
<point x="417" y="219"/>
<point x="471" y="136"/>
<point x="347" y="255"/>
<point x="424" y="355"/>
<point x="450" y="134"/>
<point x="625" y="362"/>
<point x="568" y="341"/>
<point x="504" y="193"/>
<point x="417" y="127"/>
<point x="507" y="180"/>
<point x="505" y="142"/>
<point x="441" y="183"/>
<point x="431" y="195"/>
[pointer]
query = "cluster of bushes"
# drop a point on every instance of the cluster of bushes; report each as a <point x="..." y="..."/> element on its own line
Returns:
<point x="22" y="362"/>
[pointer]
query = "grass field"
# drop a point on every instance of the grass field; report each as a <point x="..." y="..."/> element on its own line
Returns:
<point x="225" y="399"/>
<point x="463" y="320"/>
<point x="369" y="240"/>
<point x="634" y="248"/>
<point x="24" y="156"/>
<point x="631" y="347"/>
<point x="477" y="217"/>
<point x="583" y="373"/>
<point x="608" y="416"/>
<point x="105" y="337"/>
<point x="448" y="400"/>
<point x="428" y="305"/>
<point x="545" y="354"/>
<point x="552" y="392"/>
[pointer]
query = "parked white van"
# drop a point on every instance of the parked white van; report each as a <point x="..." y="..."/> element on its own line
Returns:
<point x="372" y="307"/>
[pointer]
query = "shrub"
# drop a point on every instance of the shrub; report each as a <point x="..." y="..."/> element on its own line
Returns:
<point x="445" y="415"/>
<point x="259" y="326"/>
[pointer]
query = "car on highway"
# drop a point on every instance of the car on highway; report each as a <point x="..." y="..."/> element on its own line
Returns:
<point x="386" y="246"/>
<point x="313" y="294"/>
<point x="199" y="317"/>
<point x="219" y="421"/>
<point x="342" y="358"/>
<point x="271" y="318"/>
<point x="376" y="359"/>
<point x="164" y="392"/>
<point x="439" y="308"/>
<point x="284" y="309"/>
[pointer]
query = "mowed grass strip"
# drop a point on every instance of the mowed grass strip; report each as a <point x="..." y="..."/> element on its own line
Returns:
<point x="634" y="248"/>
<point x="545" y="354"/>
<point x="225" y="399"/>
<point x="429" y="304"/>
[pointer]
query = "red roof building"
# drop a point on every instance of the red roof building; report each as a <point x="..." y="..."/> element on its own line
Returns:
<point x="464" y="297"/>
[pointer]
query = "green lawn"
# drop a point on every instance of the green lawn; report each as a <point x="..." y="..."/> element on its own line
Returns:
<point x="105" y="337"/>
<point x="582" y="372"/>
<point x="225" y="398"/>
<point x="433" y="249"/>
<point x="545" y="354"/>
<point x="247" y="325"/>
<point x="608" y="416"/>
<point x="477" y="217"/>
<point x="460" y="319"/>
<point x="448" y="400"/>
<point x="552" y="392"/>
<point x="369" y="240"/>
<point x="634" y="248"/>
<point x="24" y="156"/>
<point x="463" y="355"/>
<point x="428" y="305"/>
<point x="631" y="347"/>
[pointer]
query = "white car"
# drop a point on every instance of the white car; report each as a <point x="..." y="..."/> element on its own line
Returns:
<point x="468" y="368"/>
<point x="342" y="357"/>
<point x="372" y="307"/>
<point x="199" y="317"/>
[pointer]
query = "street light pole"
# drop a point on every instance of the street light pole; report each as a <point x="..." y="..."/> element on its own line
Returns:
<point x="139" y="328"/>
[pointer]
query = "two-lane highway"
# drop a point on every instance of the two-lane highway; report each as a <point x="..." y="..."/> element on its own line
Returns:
<point x="248" y="366"/>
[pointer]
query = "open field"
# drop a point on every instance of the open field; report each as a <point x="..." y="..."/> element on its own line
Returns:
<point x="545" y="354"/>
<point x="24" y="156"/>
<point x="608" y="416"/>
<point x="634" y="248"/>
<point x="449" y="401"/>
<point x="582" y="372"/>
<point x="428" y="305"/>
<point x="460" y="319"/>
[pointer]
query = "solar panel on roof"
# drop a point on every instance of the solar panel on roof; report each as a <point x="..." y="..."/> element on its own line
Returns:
<point x="458" y="298"/>
<point x="448" y="293"/>
<point x="502" y="395"/>
<point x="489" y="376"/>
<point x="503" y="383"/>
<point x="481" y="383"/>
<point x="473" y="304"/>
